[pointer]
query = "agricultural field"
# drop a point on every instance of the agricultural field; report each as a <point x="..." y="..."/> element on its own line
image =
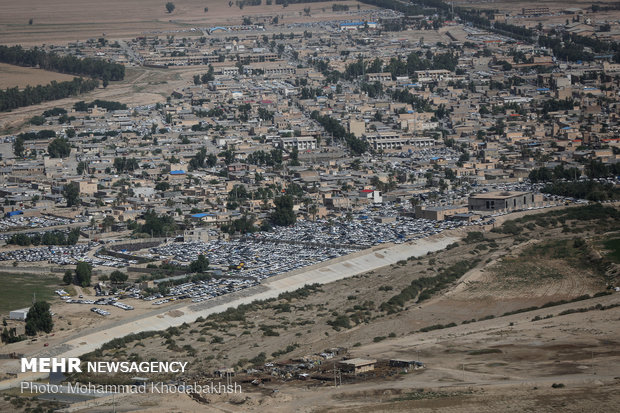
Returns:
<point x="11" y="76"/>
<point x="64" y="21"/>
<point x="18" y="289"/>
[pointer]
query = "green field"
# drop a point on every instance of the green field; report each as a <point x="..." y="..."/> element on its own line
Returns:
<point x="16" y="290"/>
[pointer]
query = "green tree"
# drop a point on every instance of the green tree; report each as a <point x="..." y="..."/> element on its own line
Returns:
<point x="170" y="7"/>
<point x="68" y="277"/>
<point x="83" y="272"/>
<point x="156" y="225"/>
<point x="82" y="167"/>
<point x="71" y="192"/>
<point x="107" y="222"/>
<point x="118" y="277"/>
<point x="18" y="147"/>
<point x="39" y="318"/>
<point x="199" y="265"/>
<point x="162" y="186"/>
<point x="59" y="148"/>
<point x="283" y="214"/>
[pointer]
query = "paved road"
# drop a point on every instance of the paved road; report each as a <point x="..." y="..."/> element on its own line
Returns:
<point x="161" y="319"/>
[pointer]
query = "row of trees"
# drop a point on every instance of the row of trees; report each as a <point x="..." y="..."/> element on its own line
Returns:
<point x="594" y="169"/>
<point x="96" y="68"/>
<point x="397" y="67"/>
<point x="125" y="164"/>
<point x="48" y="238"/>
<point x="157" y="225"/>
<point x="418" y="103"/>
<point x="562" y="181"/>
<point x="558" y="173"/>
<point x="18" y="143"/>
<point x="202" y="160"/>
<point x="12" y="98"/>
<point x="272" y="158"/>
<point x="58" y="148"/>
<point x="205" y="78"/>
<point x="108" y="105"/>
<point x="590" y="190"/>
<point x="241" y="225"/>
<point x="81" y="276"/>
<point x="356" y="146"/>
<point x="42" y="134"/>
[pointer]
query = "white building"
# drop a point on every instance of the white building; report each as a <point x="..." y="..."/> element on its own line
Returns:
<point x="302" y="143"/>
<point x="19" y="315"/>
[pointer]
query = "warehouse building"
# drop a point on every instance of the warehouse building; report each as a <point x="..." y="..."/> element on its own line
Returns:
<point x="505" y="200"/>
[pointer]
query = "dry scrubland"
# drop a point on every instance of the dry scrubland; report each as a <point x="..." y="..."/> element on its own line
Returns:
<point x="516" y="6"/>
<point x="503" y="319"/>
<point x="67" y="20"/>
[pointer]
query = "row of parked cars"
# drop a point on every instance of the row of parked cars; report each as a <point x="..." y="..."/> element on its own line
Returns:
<point x="19" y="221"/>
<point x="264" y="254"/>
<point x="113" y="301"/>
<point x="258" y="260"/>
<point x="201" y="290"/>
<point x="54" y="254"/>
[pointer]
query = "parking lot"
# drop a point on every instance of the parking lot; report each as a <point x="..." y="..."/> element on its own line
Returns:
<point x="201" y="290"/>
<point x="62" y="255"/>
<point x="253" y="260"/>
<point x="264" y="254"/>
<point x="20" y="222"/>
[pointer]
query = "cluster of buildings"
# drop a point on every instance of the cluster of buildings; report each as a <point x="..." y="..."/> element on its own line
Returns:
<point x="224" y="146"/>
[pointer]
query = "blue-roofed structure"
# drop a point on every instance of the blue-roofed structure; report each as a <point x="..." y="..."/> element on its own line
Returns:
<point x="177" y="172"/>
<point x="201" y="215"/>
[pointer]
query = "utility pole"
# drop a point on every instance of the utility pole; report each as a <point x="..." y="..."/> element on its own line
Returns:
<point x="337" y="376"/>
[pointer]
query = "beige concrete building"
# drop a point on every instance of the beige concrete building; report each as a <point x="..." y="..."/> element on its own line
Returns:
<point x="357" y="365"/>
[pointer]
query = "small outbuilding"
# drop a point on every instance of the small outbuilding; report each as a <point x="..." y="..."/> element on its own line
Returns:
<point x="19" y="315"/>
<point x="406" y="363"/>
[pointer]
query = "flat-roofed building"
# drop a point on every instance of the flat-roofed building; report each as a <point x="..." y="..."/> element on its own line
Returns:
<point x="391" y="140"/>
<point x="379" y="77"/>
<point x="19" y="315"/>
<point x="302" y="143"/>
<point x="510" y="200"/>
<point x="439" y="213"/>
<point x="534" y="11"/>
<point x="357" y="365"/>
<point x="432" y="75"/>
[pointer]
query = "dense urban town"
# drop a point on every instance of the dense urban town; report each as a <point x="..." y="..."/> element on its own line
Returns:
<point x="289" y="143"/>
